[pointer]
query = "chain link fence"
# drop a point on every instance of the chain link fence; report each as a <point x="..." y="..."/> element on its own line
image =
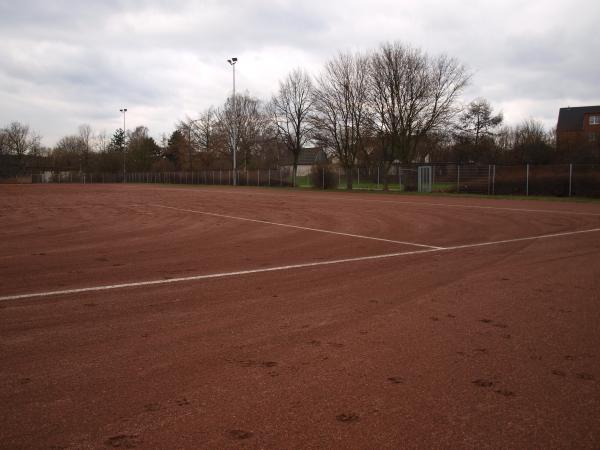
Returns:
<point x="563" y="180"/>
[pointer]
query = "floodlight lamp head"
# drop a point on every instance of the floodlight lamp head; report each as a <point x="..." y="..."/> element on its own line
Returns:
<point x="234" y="60"/>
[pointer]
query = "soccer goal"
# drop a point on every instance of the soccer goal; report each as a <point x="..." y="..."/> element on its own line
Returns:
<point x="424" y="178"/>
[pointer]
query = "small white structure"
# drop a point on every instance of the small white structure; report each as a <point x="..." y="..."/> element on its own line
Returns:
<point x="308" y="158"/>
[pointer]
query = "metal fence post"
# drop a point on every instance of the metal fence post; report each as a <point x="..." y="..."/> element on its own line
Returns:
<point x="323" y="178"/>
<point x="358" y="178"/>
<point x="269" y="176"/>
<point x="489" y="176"/>
<point x="258" y="178"/>
<point x="527" y="182"/>
<point x="457" y="178"/>
<point x="494" y="179"/>
<point x="339" y="178"/>
<point x="570" y="179"/>
<point x="377" y="177"/>
<point x="399" y="178"/>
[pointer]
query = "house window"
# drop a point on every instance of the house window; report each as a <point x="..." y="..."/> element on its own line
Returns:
<point x="594" y="120"/>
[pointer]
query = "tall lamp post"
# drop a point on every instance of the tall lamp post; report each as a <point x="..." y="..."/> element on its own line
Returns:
<point x="232" y="62"/>
<point x="124" y="110"/>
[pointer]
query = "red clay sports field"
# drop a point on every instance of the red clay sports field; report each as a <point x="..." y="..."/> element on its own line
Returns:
<point x="184" y="317"/>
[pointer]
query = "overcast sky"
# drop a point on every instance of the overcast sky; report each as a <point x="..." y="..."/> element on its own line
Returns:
<point x="64" y="63"/>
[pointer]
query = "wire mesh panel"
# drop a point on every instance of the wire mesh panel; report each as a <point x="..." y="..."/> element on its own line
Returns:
<point x="281" y="177"/>
<point x="509" y="180"/>
<point x="586" y="180"/>
<point x="444" y="178"/>
<point x="473" y="179"/>
<point x="549" y="180"/>
<point x="345" y="177"/>
<point x="250" y="178"/>
<point x="369" y="178"/>
<point x="407" y="179"/>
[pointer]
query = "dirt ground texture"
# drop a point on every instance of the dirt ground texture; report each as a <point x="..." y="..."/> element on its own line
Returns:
<point x="488" y="346"/>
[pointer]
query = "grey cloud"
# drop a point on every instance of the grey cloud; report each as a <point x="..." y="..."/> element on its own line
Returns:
<point x="75" y="61"/>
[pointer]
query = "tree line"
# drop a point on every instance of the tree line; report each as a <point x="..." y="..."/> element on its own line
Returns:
<point x="393" y="104"/>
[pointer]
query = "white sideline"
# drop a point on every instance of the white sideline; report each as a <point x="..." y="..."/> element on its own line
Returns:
<point x="281" y="268"/>
<point x="295" y="226"/>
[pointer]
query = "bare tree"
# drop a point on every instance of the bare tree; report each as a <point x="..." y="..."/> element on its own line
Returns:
<point x="85" y="134"/>
<point x="412" y="94"/>
<point x="341" y="105"/>
<point x="532" y="143"/>
<point x="204" y="130"/>
<point x="199" y="135"/>
<point x="67" y="154"/>
<point x="185" y="127"/>
<point x="101" y="142"/>
<point x="290" y="110"/>
<point x="245" y="124"/>
<point x="19" y="140"/>
<point x="3" y="143"/>
<point x="206" y="137"/>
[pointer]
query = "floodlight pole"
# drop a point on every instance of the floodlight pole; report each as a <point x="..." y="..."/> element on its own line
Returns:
<point x="124" y="110"/>
<point x="232" y="62"/>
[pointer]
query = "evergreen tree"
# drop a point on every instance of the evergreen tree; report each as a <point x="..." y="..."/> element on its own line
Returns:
<point x="117" y="142"/>
<point x="475" y="131"/>
<point x="176" y="148"/>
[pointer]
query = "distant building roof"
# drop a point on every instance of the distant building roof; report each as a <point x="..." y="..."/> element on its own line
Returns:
<point x="309" y="157"/>
<point x="571" y="119"/>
